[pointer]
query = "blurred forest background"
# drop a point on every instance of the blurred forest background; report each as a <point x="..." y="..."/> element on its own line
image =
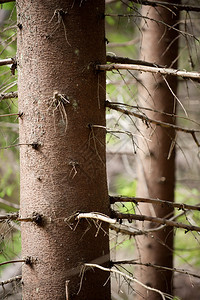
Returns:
<point x="123" y="39"/>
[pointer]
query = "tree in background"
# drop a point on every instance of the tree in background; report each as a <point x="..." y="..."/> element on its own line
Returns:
<point x="62" y="158"/>
<point x="156" y="161"/>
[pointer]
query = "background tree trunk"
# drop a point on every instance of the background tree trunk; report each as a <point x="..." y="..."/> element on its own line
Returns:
<point x="156" y="164"/>
<point x="63" y="171"/>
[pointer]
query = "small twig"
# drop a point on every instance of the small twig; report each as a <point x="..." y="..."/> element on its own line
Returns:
<point x="12" y="261"/>
<point x="156" y="122"/>
<point x="129" y="278"/>
<point x="10" y="115"/>
<point x="37" y="218"/>
<point x="136" y="200"/>
<point x="120" y="216"/>
<point x="162" y="71"/>
<point x="127" y="60"/>
<point x="10" y="280"/>
<point x="133" y="262"/>
<point x="8" y="95"/>
<point x="130" y="217"/>
<point x="95" y="216"/>
<point x="33" y="145"/>
<point x="184" y="33"/>
<point x="7" y="61"/>
<point x="176" y="6"/>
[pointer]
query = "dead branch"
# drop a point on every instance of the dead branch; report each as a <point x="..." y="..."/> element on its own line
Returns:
<point x="8" y="203"/>
<point x="8" y="95"/>
<point x="136" y="200"/>
<point x="37" y="218"/>
<point x="12" y="261"/>
<point x="176" y="6"/>
<point x="126" y="60"/>
<point x="5" y="1"/>
<point x="127" y="230"/>
<point x="10" y="280"/>
<point x="10" y="115"/>
<point x="184" y="33"/>
<point x="141" y="68"/>
<point x="6" y="61"/>
<point x="130" y="217"/>
<point x="115" y="217"/>
<point x="133" y="262"/>
<point x="163" y="295"/>
<point x="13" y="216"/>
<point x="156" y="122"/>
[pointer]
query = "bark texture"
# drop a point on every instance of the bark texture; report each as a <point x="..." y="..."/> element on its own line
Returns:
<point x="63" y="159"/>
<point x="156" y="164"/>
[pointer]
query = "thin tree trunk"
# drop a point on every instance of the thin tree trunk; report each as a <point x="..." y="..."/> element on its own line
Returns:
<point x="63" y="171"/>
<point x="156" y="163"/>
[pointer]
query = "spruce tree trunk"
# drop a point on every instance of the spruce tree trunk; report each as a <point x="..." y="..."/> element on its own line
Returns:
<point x="156" y="163"/>
<point x="62" y="159"/>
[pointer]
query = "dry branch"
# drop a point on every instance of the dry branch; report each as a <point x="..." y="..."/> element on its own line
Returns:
<point x="130" y="217"/>
<point x="10" y="115"/>
<point x="179" y="7"/>
<point x="10" y="280"/>
<point x="156" y="122"/>
<point x="163" y="295"/>
<point x="8" y="95"/>
<point x="37" y="218"/>
<point x="5" y="1"/>
<point x="141" y="68"/>
<point x="12" y="261"/>
<point x="13" y="217"/>
<point x="6" y="61"/>
<point x="127" y="60"/>
<point x="133" y="262"/>
<point x="136" y="200"/>
<point x="115" y="217"/>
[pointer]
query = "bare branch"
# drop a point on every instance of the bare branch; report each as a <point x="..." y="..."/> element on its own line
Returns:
<point x="129" y="278"/>
<point x="37" y="218"/>
<point x="136" y="200"/>
<point x="12" y="261"/>
<point x="6" y="61"/>
<point x="130" y="217"/>
<point x="133" y="262"/>
<point x="6" y="1"/>
<point x="176" y="6"/>
<point x="10" y="115"/>
<point x="156" y="122"/>
<point x="126" y="60"/>
<point x="120" y="216"/>
<point x="13" y="216"/>
<point x="8" y="95"/>
<point x="162" y="71"/>
<point x="10" y="280"/>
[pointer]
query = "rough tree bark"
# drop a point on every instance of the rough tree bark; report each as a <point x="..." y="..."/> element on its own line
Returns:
<point x="156" y="164"/>
<point x="62" y="158"/>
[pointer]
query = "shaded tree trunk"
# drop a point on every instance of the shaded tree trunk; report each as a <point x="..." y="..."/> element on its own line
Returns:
<point x="156" y="164"/>
<point x="62" y="158"/>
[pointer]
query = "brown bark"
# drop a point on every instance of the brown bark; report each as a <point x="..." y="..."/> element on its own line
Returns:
<point x="156" y="164"/>
<point x="63" y="172"/>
